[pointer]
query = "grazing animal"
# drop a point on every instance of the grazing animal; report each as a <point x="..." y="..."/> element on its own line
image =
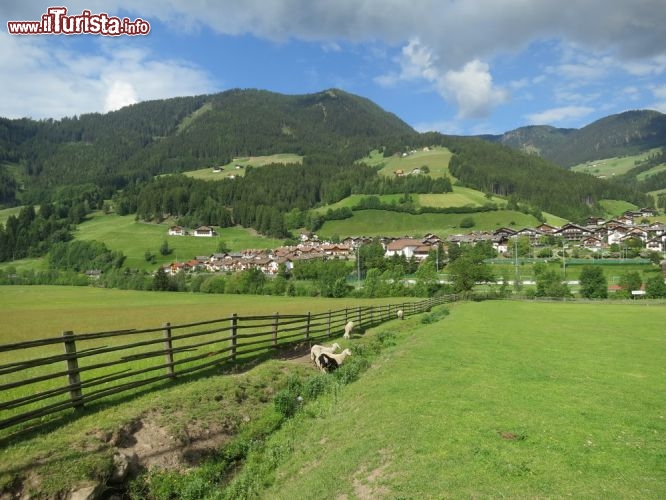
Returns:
<point x="348" y="329"/>
<point x="316" y="350"/>
<point x="400" y="314"/>
<point x="331" y="362"/>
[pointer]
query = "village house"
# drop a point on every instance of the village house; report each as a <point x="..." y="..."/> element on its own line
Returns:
<point x="593" y="243"/>
<point x="547" y="228"/>
<point x="408" y="247"/>
<point x="203" y="231"/>
<point x="336" y="250"/>
<point x="573" y="232"/>
<point x="177" y="231"/>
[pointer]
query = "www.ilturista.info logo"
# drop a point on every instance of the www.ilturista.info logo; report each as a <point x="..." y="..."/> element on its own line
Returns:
<point x="57" y="22"/>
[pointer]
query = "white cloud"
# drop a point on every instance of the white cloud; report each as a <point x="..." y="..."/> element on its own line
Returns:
<point x="445" y="127"/>
<point x="659" y="91"/>
<point x="453" y="45"/>
<point x="558" y="115"/>
<point x="119" y="95"/>
<point x="50" y="81"/>
<point x="472" y="89"/>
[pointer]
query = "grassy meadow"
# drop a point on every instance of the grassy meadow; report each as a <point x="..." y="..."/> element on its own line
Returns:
<point x="134" y="238"/>
<point x="386" y="223"/>
<point x="33" y="312"/>
<point x="436" y="159"/>
<point x="5" y="213"/>
<point x="497" y="400"/>
<point x="208" y="174"/>
<point x="610" y="167"/>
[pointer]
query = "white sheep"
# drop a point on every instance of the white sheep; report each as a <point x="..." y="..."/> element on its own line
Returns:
<point x="330" y="362"/>
<point x="400" y="314"/>
<point x="316" y="350"/>
<point x="348" y="329"/>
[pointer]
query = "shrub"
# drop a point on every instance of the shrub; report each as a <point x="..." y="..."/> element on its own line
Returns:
<point x="286" y="404"/>
<point x="316" y="386"/>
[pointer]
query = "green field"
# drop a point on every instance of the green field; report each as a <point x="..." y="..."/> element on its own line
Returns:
<point x="612" y="272"/>
<point x="616" y="207"/>
<point x="436" y="159"/>
<point x="460" y="197"/>
<point x="498" y="400"/>
<point x="386" y="223"/>
<point x="134" y="238"/>
<point x="5" y="213"/>
<point x="208" y="174"/>
<point x="32" y="312"/>
<point x="610" y="167"/>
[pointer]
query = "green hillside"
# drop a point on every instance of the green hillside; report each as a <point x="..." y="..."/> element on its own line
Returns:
<point x="610" y="167"/>
<point x="436" y="159"/>
<point x="386" y="223"/>
<point x="624" y="134"/>
<point x="236" y="167"/>
<point x="134" y="239"/>
<point x="187" y="133"/>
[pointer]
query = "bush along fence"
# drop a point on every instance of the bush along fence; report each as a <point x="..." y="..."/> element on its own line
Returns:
<point x="42" y="380"/>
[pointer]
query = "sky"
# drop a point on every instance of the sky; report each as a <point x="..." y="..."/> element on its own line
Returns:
<point x="462" y="67"/>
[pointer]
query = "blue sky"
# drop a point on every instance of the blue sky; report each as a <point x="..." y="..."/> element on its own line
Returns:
<point x="455" y="66"/>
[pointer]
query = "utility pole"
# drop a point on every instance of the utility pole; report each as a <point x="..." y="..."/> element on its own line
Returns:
<point x="515" y="259"/>
<point x="564" y="260"/>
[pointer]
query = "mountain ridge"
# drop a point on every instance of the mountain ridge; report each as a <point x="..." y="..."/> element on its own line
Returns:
<point x="620" y="134"/>
<point x="332" y="128"/>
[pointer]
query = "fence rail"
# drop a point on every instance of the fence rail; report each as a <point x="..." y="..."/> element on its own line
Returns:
<point x="89" y="368"/>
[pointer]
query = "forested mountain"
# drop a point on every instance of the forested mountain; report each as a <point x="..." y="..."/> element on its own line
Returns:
<point x="80" y="161"/>
<point x="622" y="134"/>
<point x="530" y="179"/>
<point x="185" y="133"/>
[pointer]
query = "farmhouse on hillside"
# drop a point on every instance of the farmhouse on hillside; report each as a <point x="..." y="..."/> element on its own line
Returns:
<point x="203" y="231"/>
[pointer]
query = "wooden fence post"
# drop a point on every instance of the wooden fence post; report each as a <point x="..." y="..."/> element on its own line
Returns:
<point x="234" y="332"/>
<point x="168" y="350"/>
<point x="328" y="327"/>
<point x="73" y="374"/>
<point x="275" y="329"/>
<point x="307" y="327"/>
<point x="359" y="317"/>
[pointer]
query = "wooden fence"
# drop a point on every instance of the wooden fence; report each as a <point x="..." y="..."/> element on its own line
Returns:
<point x="42" y="379"/>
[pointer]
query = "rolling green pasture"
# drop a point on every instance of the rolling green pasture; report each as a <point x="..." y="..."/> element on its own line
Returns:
<point x="616" y="207"/>
<point x="654" y="170"/>
<point x="498" y="400"/>
<point x="612" y="272"/>
<point x="39" y="312"/>
<point x="437" y="160"/>
<point x="208" y="174"/>
<point x="134" y="238"/>
<point x="5" y="213"/>
<point x="385" y="223"/>
<point x="609" y="167"/>
<point x="32" y="312"/>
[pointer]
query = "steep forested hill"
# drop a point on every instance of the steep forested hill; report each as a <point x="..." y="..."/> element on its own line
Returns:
<point x="622" y="134"/>
<point x="173" y="135"/>
<point x="118" y="154"/>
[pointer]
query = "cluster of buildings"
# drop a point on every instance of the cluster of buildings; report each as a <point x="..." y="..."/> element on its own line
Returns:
<point x="597" y="235"/>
